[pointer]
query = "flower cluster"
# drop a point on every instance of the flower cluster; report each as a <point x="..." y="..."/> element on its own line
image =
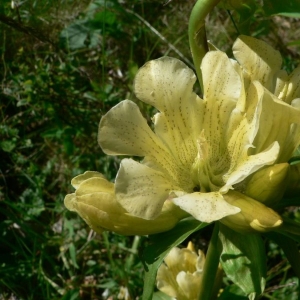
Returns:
<point x="200" y="149"/>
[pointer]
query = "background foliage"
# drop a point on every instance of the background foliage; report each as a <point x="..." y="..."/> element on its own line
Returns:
<point x="64" y="63"/>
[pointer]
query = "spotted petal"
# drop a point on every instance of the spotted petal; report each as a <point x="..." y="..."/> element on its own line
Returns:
<point x="293" y="89"/>
<point x="206" y="207"/>
<point x="222" y="90"/>
<point x="167" y="84"/>
<point x="279" y="122"/>
<point x="141" y="190"/>
<point x="259" y="60"/>
<point x="124" y="131"/>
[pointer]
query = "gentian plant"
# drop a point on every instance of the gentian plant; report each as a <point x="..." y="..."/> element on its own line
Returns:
<point x="225" y="158"/>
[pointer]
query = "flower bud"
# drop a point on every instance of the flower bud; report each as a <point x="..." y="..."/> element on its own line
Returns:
<point x="254" y="216"/>
<point x="268" y="184"/>
<point x="95" y="202"/>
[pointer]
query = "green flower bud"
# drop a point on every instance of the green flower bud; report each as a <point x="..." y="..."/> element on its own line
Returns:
<point x="254" y="216"/>
<point x="268" y="184"/>
<point x="95" y="202"/>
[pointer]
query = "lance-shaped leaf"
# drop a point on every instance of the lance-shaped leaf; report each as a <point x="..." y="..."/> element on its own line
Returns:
<point x="243" y="259"/>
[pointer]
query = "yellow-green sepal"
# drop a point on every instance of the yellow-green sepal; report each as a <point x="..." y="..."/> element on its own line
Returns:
<point x="254" y="216"/>
<point x="268" y="184"/>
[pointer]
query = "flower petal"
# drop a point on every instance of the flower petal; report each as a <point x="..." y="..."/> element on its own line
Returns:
<point x="281" y="85"/>
<point x="189" y="284"/>
<point x="124" y="131"/>
<point x="221" y="81"/>
<point x="101" y="212"/>
<point x="259" y="60"/>
<point x="166" y="281"/>
<point x="76" y="181"/>
<point x="69" y="201"/>
<point x="141" y="190"/>
<point x="222" y="95"/>
<point x="206" y="207"/>
<point x="94" y="185"/>
<point x="279" y="122"/>
<point x="249" y="165"/>
<point x="293" y="90"/>
<point x="167" y="84"/>
<point x="222" y="90"/>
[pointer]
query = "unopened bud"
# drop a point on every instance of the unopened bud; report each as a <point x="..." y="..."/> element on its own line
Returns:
<point x="268" y="184"/>
<point x="254" y="216"/>
<point x="95" y="202"/>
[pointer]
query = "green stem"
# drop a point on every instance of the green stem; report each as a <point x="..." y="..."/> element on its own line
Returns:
<point x="133" y="252"/>
<point x="107" y="246"/>
<point x="197" y="34"/>
<point x="289" y="226"/>
<point x="210" y="267"/>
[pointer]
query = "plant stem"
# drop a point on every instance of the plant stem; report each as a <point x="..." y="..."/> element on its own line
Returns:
<point x="133" y="251"/>
<point x="210" y="267"/>
<point x="197" y="34"/>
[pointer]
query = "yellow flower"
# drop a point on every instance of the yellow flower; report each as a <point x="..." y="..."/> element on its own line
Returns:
<point x="180" y="276"/>
<point x="94" y="200"/>
<point x="202" y="148"/>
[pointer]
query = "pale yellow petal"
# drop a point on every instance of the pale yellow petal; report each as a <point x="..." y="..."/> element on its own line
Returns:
<point x="221" y="81"/>
<point x="189" y="284"/>
<point x="69" y="201"/>
<point x="124" y="131"/>
<point x="141" y="190"/>
<point x="76" y="181"/>
<point x="181" y="259"/>
<point x="281" y="85"/>
<point x="276" y="124"/>
<point x="101" y="211"/>
<point x="222" y="92"/>
<point x="249" y="165"/>
<point x="93" y="185"/>
<point x="293" y="90"/>
<point x="259" y="60"/>
<point x="166" y="281"/>
<point x="92" y="216"/>
<point x="241" y="140"/>
<point x="167" y="84"/>
<point x="102" y="201"/>
<point x="206" y="207"/>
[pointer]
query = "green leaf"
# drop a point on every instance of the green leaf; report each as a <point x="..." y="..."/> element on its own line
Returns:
<point x="161" y="296"/>
<point x="80" y="34"/>
<point x="233" y="292"/>
<point x="8" y="146"/>
<point x="72" y="251"/>
<point x="290" y="8"/>
<point x="243" y="260"/>
<point x="290" y="228"/>
<point x="290" y="249"/>
<point x="159" y="247"/>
